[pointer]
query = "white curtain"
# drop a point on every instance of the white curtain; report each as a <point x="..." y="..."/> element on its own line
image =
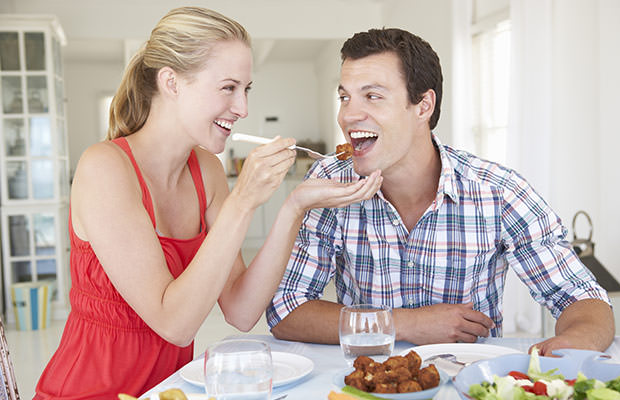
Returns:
<point x="529" y="130"/>
<point x="530" y="119"/>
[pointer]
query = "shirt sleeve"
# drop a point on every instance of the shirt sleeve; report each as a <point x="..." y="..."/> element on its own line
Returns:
<point x="311" y="265"/>
<point x="537" y="250"/>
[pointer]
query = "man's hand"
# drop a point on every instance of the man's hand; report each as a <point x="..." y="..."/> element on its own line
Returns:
<point x="441" y="323"/>
<point x="585" y="324"/>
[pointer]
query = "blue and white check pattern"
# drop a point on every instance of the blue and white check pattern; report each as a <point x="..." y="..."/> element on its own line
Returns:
<point x="484" y="219"/>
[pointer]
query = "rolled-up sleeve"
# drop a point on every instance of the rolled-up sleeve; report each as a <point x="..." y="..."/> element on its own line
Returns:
<point x="537" y="250"/>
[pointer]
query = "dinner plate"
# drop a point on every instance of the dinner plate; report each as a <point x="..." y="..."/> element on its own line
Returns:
<point x="287" y="368"/>
<point x="338" y="380"/>
<point x="464" y="352"/>
<point x="592" y="364"/>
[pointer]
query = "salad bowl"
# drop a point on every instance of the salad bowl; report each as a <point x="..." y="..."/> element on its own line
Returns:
<point x="592" y="364"/>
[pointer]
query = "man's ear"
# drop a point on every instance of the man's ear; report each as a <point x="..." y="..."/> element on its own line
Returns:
<point x="426" y="106"/>
<point x="167" y="81"/>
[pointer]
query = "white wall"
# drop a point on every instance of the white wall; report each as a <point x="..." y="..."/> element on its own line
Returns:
<point x="585" y="91"/>
<point x="432" y="21"/>
<point x="607" y="226"/>
<point x="85" y="83"/>
<point x="328" y="74"/>
<point x="288" y="91"/>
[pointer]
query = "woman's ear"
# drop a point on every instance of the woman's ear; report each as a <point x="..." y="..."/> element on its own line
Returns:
<point x="167" y="81"/>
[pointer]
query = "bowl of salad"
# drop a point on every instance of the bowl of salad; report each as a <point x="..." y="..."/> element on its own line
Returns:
<point x="573" y="375"/>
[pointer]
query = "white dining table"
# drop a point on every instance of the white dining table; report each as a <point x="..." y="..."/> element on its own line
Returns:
<point x="329" y="361"/>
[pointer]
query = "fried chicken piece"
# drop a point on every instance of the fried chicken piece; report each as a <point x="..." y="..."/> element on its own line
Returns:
<point x="390" y="387"/>
<point x="358" y="383"/>
<point x="362" y="362"/>
<point x="375" y="367"/>
<point x="357" y="374"/>
<point x="347" y="148"/>
<point x="399" y="374"/>
<point x="409" y="386"/>
<point x="395" y="362"/>
<point x="428" y="377"/>
<point x="414" y="361"/>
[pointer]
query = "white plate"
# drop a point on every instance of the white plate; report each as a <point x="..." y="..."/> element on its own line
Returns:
<point x="287" y="368"/>
<point x="464" y="352"/>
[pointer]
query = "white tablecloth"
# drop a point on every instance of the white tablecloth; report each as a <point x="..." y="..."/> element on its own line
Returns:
<point x="328" y="361"/>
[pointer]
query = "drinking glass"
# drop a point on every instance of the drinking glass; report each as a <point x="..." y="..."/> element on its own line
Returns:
<point x="366" y="330"/>
<point x="238" y="369"/>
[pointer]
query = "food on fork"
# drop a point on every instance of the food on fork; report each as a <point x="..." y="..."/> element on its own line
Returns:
<point x="346" y="149"/>
<point x="398" y="374"/>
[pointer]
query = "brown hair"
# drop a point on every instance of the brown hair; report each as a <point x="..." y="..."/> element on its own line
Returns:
<point x="419" y="63"/>
<point x="182" y="41"/>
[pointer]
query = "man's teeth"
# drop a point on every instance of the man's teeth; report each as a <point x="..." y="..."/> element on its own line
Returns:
<point x="362" y="134"/>
<point x="224" y="124"/>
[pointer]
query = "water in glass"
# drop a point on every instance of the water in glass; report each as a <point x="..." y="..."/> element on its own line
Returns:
<point x="366" y="330"/>
<point x="239" y="369"/>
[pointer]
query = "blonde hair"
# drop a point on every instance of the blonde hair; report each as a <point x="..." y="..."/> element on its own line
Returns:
<point x="182" y="40"/>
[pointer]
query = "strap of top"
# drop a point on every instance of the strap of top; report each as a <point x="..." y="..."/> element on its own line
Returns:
<point x="147" y="201"/>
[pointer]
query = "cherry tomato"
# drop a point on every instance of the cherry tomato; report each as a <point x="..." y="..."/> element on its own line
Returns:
<point x="540" y="388"/>
<point x="518" y="375"/>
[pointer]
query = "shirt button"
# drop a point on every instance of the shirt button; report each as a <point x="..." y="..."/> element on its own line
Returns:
<point x="410" y="302"/>
<point x="410" y="264"/>
<point x="395" y="222"/>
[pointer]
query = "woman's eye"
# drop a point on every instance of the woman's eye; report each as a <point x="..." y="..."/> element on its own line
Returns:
<point x="373" y="96"/>
<point x="229" y="88"/>
<point x="343" y="98"/>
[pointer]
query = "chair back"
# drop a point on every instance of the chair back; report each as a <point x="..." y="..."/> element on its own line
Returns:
<point x="8" y="386"/>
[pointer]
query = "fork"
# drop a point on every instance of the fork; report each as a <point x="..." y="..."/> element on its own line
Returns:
<point x="242" y="137"/>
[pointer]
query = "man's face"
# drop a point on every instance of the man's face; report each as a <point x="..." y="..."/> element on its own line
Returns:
<point x="375" y="114"/>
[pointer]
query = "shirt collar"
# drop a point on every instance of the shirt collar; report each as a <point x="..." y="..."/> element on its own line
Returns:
<point x="447" y="178"/>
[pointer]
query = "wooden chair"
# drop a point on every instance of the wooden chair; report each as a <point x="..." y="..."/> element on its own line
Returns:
<point x="8" y="387"/>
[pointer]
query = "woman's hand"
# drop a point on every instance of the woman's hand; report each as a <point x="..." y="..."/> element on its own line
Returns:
<point x="263" y="171"/>
<point x="326" y="193"/>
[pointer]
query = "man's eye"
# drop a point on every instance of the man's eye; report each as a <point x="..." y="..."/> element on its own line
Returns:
<point x="371" y="96"/>
<point x="343" y="98"/>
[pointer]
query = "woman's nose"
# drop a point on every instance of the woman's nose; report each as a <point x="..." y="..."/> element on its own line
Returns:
<point x="240" y="106"/>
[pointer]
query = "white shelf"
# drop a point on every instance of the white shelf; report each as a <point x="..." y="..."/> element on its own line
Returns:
<point x="34" y="158"/>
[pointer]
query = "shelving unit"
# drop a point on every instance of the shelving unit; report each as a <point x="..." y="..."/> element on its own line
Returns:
<point x="34" y="161"/>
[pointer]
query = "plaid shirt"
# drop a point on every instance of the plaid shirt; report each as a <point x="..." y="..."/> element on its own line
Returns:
<point x="484" y="219"/>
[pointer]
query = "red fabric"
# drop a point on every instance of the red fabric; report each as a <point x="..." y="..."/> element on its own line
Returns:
<point x="106" y="348"/>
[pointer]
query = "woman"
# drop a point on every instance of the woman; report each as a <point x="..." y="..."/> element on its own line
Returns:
<point x="155" y="233"/>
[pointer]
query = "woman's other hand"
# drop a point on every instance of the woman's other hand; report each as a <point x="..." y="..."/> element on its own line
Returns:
<point x="327" y="193"/>
<point x="263" y="171"/>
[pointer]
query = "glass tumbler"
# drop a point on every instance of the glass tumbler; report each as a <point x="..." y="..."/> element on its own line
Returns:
<point x="238" y="369"/>
<point x="366" y="330"/>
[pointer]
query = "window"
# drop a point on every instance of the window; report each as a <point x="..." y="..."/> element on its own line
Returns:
<point x="104" y="114"/>
<point x="491" y="85"/>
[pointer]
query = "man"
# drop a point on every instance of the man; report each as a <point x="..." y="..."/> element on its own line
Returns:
<point x="436" y="241"/>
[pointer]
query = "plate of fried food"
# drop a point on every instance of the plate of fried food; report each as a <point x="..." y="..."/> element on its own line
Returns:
<point x="397" y="378"/>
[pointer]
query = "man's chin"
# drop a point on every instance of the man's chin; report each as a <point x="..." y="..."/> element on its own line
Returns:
<point x="361" y="169"/>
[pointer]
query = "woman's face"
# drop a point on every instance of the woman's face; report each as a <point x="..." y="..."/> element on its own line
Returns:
<point x="211" y="100"/>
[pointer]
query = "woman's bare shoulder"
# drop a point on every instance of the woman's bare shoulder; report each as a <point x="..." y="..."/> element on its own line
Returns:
<point x="104" y="164"/>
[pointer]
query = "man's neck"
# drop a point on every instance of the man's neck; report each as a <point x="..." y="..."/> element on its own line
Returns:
<point x="412" y="190"/>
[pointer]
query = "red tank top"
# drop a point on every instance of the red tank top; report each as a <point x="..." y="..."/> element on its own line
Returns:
<point x="106" y="348"/>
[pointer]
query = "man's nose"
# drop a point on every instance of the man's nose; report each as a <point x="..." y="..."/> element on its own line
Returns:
<point x="352" y="112"/>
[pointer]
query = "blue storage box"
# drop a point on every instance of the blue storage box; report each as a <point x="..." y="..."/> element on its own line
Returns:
<point x="32" y="304"/>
